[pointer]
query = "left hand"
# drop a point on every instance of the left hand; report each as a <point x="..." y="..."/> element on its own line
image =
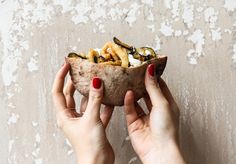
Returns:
<point x="86" y="132"/>
<point x="154" y="136"/>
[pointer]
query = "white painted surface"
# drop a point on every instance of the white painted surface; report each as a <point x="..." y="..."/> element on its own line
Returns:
<point x="198" y="37"/>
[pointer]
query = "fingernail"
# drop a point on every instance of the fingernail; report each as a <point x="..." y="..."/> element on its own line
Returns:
<point x="97" y="82"/>
<point x="151" y="70"/>
<point x="63" y="64"/>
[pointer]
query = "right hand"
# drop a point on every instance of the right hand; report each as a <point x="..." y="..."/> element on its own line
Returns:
<point x="86" y="132"/>
<point x="154" y="136"/>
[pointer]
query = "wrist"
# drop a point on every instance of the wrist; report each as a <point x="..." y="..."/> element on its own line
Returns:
<point x="165" y="153"/>
<point x="96" y="158"/>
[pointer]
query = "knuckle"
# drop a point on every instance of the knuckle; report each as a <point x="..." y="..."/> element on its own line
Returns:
<point x="152" y="85"/>
<point x="165" y="103"/>
<point x="66" y="92"/>
<point x="53" y="91"/>
<point x="129" y="109"/>
<point x="96" y="96"/>
<point x="60" y="119"/>
<point x="60" y="123"/>
<point x="134" y="126"/>
<point x="152" y="82"/>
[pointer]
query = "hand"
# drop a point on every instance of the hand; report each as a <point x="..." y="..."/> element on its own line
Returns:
<point x="86" y="132"/>
<point x="154" y="136"/>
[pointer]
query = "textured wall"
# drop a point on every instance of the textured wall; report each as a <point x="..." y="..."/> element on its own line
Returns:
<point x="198" y="37"/>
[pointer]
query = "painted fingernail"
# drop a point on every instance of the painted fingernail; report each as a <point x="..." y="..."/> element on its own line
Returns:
<point x="97" y="82"/>
<point x="151" y="70"/>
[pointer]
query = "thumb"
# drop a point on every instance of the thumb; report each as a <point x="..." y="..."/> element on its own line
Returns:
<point x="95" y="99"/>
<point x="152" y="87"/>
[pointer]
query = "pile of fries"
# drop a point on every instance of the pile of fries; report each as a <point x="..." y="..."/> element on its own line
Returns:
<point x="117" y="54"/>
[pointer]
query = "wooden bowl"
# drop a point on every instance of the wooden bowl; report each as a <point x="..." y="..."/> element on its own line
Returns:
<point x="116" y="79"/>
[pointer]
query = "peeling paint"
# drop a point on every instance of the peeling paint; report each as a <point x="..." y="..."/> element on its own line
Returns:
<point x="228" y="31"/>
<point x="211" y="16"/>
<point x="67" y="6"/>
<point x="216" y="34"/>
<point x="11" y="105"/>
<point x="197" y="25"/>
<point x="35" y="153"/>
<point x="185" y="32"/>
<point x="167" y="3"/>
<point x="178" y="33"/>
<point x="70" y="152"/>
<point x="132" y="160"/>
<point x="175" y="9"/>
<point x="13" y="119"/>
<point x="37" y="138"/>
<point x="234" y="54"/>
<point x="230" y="5"/>
<point x="198" y="40"/>
<point x="127" y="138"/>
<point x="166" y="29"/>
<point x="38" y="161"/>
<point x="199" y="9"/>
<point x="34" y="124"/>
<point x="9" y="68"/>
<point x="148" y="2"/>
<point x="32" y="65"/>
<point x="157" y="43"/>
<point x="188" y="15"/>
<point x="132" y="14"/>
<point x="68" y="143"/>
<point x="151" y="27"/>
<point x="10" y="144"/>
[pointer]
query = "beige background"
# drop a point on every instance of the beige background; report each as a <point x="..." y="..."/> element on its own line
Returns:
<point x="197" y="36"/>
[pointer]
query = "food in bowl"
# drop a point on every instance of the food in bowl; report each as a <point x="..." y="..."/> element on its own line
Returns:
<point x="120" y="66"/>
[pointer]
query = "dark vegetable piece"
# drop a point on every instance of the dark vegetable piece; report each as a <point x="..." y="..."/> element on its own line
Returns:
<point x="75" y="55"/>
<point x="138" y="53"/>
<point x="142" y="53"/>
<point x="101" y="59"/>
<point x="152" y="52"/>
<point x="124" y="45"/>
<point x="95" y="59"/>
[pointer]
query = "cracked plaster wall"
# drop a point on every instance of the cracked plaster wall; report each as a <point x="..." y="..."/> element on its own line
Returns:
<point x="197" y="36"/>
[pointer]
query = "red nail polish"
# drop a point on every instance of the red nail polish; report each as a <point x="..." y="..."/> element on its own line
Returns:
<point x="151" y="70"/>
<point x="97" y="82"/>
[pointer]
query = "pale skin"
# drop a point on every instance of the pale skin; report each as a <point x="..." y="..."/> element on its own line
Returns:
<point x="154" y="135"/>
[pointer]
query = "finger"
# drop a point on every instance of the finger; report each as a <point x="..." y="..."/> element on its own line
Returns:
<point x="106" y="115"/>
<point x="69" y="91"/>
<point x="130" y="112"/>
<point x="139" y="110"/>
<point x="168" y="96"/>
<point x="166" y="92"/>
<point x="57" y="89"/>
<point x="83" y="104"/>
<point x="153" y="89"/>
<point x="148" y="102"/>
<point x="95" y="99"/>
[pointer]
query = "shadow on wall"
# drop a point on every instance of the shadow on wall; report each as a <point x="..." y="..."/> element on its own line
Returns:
<point x="198" y="143"/>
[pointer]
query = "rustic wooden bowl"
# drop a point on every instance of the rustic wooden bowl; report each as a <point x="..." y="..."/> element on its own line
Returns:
<point x="117" y="80"/>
